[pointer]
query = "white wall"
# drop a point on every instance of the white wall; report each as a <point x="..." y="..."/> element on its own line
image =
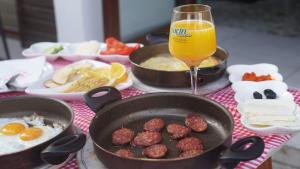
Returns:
<point x="79" y="20"/>
<point x="140" y="16"/>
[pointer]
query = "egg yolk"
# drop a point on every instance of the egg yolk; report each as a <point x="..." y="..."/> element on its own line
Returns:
<point x="31" y="133"/>
<point x="12" y="129"/>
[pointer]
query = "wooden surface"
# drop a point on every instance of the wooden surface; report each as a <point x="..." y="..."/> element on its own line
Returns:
<point x="111" y="18"/>
<point x="266" y="165"/>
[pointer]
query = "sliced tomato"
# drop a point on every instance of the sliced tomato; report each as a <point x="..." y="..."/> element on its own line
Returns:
<point x="125" y="51"/>
<point x="109" y="51"/>
<point x="113" y="43"/>
<point x="116" y="47"/>
<point x="128" y="50"/>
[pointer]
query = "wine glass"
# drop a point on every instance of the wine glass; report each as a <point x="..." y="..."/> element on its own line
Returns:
<point x="192" y="37"/>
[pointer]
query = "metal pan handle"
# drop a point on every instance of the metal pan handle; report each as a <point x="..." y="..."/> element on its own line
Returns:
<point x="59" y="151"/>
<point x="98" y="102"/>
<point x="157" y="37"/>
<point x="246" y="149"/>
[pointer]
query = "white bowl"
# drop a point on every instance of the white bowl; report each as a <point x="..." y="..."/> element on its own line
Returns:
<point x="244" y="89"/>
<point x="236" y="72"/>
<point x="115" y="57"/>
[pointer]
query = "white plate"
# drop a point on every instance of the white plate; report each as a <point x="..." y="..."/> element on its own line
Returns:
<point x="236" y="72"/>
<point x="264" y="131"/>
<point x="46" y="70"/>
<point x="244" y="89"/>
<point x="39" y="88"/>
<point x="68" y="52"/>
<point x="116" y="58"/>
<point x="270" y="109"/>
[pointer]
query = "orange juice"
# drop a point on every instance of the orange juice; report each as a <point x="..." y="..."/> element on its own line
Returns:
<point x="192" y="41"/>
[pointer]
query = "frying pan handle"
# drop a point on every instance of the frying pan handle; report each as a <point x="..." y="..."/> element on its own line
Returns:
<point x="59" y="151"/>
<point x="98" y="102"/>
<point x="242" y="151"/>
<point x="157" y="37"/>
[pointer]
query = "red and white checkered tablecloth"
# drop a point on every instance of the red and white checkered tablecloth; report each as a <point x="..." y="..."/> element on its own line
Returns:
<point x="83" y="116"/>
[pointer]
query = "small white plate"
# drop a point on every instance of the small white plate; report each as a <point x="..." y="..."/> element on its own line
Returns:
<point x="236" y="72"/>
<point x="39" y="88"/>
<point x="37" y="49"/>
<point x="116" y="58"/>
<point x="270" y="109"/>
<point x="244" y="89"/>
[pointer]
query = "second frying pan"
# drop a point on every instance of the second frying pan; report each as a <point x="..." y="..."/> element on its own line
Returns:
<point x="173" y="79"/>
<point x="172" y="108"/>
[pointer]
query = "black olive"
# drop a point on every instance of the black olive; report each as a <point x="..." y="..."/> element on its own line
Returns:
<point x="270" y="94"/>
<point x="257" y="95"/>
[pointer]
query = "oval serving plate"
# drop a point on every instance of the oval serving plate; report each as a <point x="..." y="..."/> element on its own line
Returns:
<point x="244" y="89"/>
<point x="39" y="88"/>
<point x="236" y="72"/>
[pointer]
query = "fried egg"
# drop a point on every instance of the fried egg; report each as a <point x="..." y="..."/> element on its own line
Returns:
<point x="10" y="127"/>
<point x="36" y="135"/>
<point x="17" y="134"/>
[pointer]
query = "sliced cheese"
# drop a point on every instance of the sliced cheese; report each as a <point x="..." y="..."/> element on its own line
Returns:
<point x="257" y="107"/>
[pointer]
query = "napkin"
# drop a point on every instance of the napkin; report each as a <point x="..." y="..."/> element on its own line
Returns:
<point x="30" y="71"/>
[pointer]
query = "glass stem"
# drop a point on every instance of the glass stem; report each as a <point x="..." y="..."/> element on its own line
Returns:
<point x="194" y="73"/>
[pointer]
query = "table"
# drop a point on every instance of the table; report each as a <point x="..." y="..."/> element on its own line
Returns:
<point x="225" y="97"/>
<point x="83" y="116"/>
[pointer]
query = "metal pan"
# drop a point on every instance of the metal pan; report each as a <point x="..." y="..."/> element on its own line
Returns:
<point x="173" y="79"/>
<point x="53" y="111"/>
<point x="113" y="113"/>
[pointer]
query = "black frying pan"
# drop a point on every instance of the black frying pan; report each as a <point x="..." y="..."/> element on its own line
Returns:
<point x="53" y="111"/>
<point x="113" y="113"/>
<point x="173" y="79"/>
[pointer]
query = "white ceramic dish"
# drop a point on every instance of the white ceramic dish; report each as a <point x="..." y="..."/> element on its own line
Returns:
<point x="266" y="112"/>
<point x="244" y="89"/>
<point x="264" y="131"/>
<point x="39" y="88"/>
<point x="36" y="50"/>
<point x="236" y="72"/>
<point x="116" y="58"/>
<point x="68" y="52"/>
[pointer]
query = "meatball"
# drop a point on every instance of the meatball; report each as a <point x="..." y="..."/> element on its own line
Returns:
<point x="155" y="124"/>
<point x="126" y="153"/>
<point x="178" y="131"/>
<point x="147" y="138"/>
<point x="190" y="153"/>
<point x="189" y="143"/>
<point x="155" y="151"/>
<point x="122" y="136"/>
<point x="196" y="122"/>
